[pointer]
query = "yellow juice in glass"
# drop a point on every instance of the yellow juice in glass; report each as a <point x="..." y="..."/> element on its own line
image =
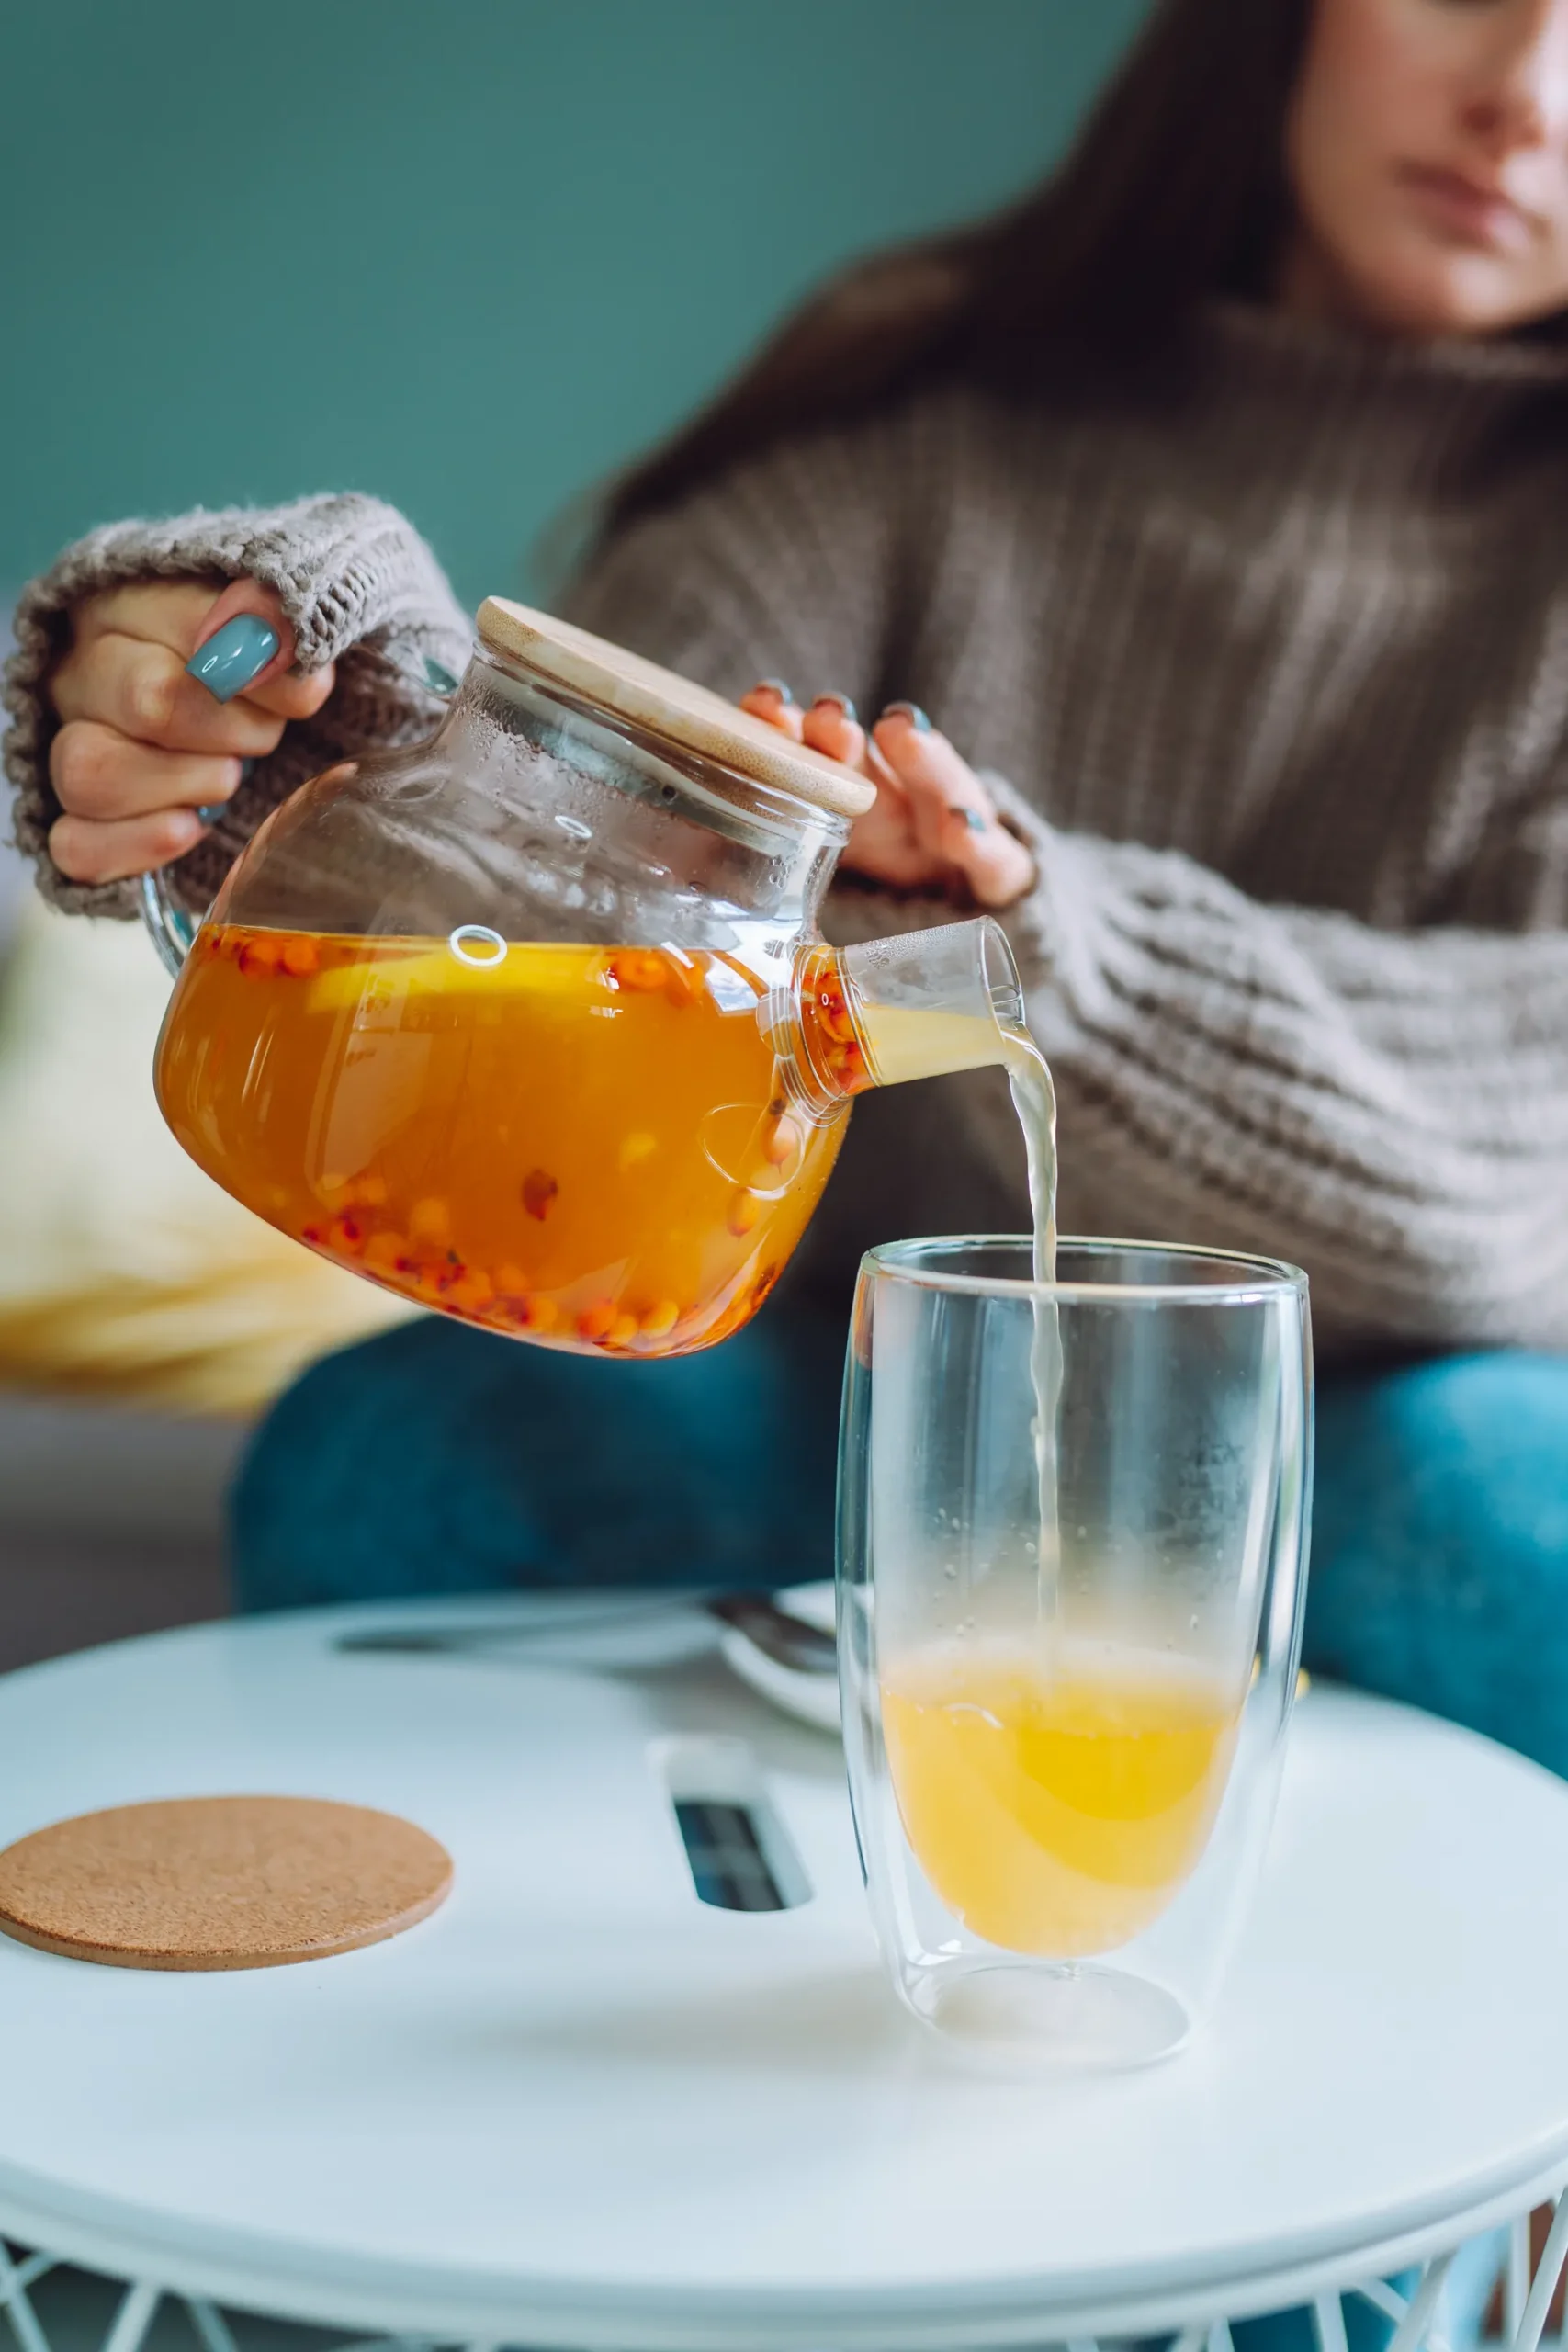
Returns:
<point x="1056" y="1808"/>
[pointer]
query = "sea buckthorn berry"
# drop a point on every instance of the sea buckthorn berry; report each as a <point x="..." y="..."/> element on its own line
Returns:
<point x="299" y="957"/>
<point x="347" y="1235"/>
<point x="745" y="1212"/>
<point x="539" y="1188"/>
<point x="511" y="1282"/>
<point x="472" y="1291"/>
<point x="385" y="1250"/>
<point x="640" y="969"/>
<point x="261" y="953"/>
<point x="661" y="1320"/>
<point x="622" y="1331"/>
<point x="369" y="1192"/>
<point x="593" y="1322"/>
<point x="538" y="1313"/>
<point x="637" y="1147"/>
<point x="429" y="1224"/>
<point x="781" y="1138"/>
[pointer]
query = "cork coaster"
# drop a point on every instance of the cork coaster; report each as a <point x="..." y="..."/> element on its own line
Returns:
<point x="220" y="1882"/>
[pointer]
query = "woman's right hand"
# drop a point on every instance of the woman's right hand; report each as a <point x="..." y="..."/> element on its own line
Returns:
<point x="144" y="745"/>
<point x="934" y="825"/>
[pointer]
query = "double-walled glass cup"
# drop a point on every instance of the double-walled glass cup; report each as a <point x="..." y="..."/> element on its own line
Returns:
<point x="1072" y="1565"/>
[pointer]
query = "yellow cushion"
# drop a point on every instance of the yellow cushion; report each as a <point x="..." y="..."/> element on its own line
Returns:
<point x="124" y="1271"/>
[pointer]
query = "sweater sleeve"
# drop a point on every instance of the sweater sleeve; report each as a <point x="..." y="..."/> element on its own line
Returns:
<point x="361" y="588"/>
<point x="1388" y="1109"/>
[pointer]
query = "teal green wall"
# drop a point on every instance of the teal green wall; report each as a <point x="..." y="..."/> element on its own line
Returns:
<point x="467" y="254"/>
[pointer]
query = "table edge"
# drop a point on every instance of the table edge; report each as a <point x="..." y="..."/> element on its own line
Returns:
<point x="263" y="2275"/>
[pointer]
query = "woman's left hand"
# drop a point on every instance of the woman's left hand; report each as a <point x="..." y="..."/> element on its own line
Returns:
<point x="934" y="825"/>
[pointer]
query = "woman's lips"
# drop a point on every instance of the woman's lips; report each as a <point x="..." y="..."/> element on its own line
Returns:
<point x="1471" y="211"/>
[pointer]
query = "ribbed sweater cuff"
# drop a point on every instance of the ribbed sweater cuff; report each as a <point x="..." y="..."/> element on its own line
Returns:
<point x="360" y="587"/>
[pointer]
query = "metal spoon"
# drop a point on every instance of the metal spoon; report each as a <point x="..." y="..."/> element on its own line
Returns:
<point x="789" y="1640"/>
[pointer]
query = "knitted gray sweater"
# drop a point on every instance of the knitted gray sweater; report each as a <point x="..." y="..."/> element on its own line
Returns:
<point x="1277" y="661"/>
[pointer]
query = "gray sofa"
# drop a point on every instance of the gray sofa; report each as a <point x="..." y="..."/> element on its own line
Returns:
<point x="112" y="1522"/>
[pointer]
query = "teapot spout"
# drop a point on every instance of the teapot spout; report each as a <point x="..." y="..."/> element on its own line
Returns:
<point x="915" y="1006"/>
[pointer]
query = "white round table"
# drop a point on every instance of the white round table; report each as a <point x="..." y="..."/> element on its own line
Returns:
<point x="578" y="2108"/>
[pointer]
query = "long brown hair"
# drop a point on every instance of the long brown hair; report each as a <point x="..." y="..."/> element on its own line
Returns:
<point x="1175" y="189"/>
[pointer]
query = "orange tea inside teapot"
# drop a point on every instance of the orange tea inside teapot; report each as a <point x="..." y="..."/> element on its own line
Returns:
<point x="510" y="1137"/>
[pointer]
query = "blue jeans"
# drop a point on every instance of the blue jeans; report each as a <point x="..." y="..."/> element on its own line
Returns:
<point x="436" y="1459"/>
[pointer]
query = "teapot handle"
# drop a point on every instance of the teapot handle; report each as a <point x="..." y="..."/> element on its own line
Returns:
<point x="170" y="929"/>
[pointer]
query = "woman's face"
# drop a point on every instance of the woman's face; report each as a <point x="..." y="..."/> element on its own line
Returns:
<point x="1427" y="152"/>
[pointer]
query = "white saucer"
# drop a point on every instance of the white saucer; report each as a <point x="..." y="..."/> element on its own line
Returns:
<point x="809" y="1698"/>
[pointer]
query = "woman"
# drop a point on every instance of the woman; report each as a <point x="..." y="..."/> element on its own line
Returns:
<point x="1216" y="499"/>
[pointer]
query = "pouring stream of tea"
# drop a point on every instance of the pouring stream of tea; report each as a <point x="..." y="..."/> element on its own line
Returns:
<point x="1034" y="1099"/>
<point x="908" y="1044"/>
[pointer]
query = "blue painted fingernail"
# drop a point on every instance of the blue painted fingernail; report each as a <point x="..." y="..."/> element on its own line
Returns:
<point x="775" y="686"/>
<point x="836" y="702"/>
<point x="912" y="712"/>
<point x="240" y="652"/>
<point x="972" y="817"/>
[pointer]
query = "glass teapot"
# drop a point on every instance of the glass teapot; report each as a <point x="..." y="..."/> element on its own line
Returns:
<point x="533" y="1024"/>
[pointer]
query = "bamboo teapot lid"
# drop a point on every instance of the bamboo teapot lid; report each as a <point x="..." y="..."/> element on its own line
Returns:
<point x="671" y="706"/>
